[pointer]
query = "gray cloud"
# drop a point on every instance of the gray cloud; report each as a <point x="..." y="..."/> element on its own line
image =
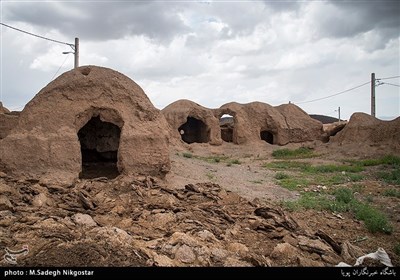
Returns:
<point x="354" y="17"/>
<point x="101" y="20"/>
<point x="214" y="52"/>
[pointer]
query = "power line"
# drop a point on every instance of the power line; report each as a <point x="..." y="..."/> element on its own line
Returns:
<point x="391" y="84"/>
<point x="38" y="36"/>
<point x="332" y="95"/>
<point x="389" y="78"/>
<point x="60" y="67"/>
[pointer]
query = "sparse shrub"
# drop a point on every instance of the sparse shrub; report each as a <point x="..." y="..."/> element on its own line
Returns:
<point x="187" y="155"/>
<point x="375" y="221"/>
<point x="388" y="160"/>
<point x="302" y="152"/>
<point x="210" y="176"/>
<point x="281" y="175"/>
<point x="369" y="198"/>
<point x="330" y="168"/>
<point x="287" y="165"/>
<point x="235" y="161"/>
<point x="392" y="192"/>
<point x="344" y="195"/>
<point x="392" y="177"/>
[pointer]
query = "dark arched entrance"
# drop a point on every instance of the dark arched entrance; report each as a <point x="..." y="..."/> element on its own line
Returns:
<point x="267" y="136"/>
<point x="99" y="147"/>
<point x="194" y="131"/>
<point x="227" y="124"/>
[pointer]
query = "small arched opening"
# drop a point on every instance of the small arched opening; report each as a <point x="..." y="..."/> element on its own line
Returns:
<point x="99" y="148"/>
<point x="194" y="131"/>
<point x="227" y="124"/>
<point x="267" y="136"/>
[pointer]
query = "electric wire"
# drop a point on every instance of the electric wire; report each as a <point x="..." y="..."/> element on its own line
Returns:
<point x="332" y="95"/>
<point x="38" y="36"/>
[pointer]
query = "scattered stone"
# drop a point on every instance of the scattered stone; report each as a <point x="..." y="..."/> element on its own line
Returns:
<point x="304" y="262"/>
<point x="205" y="235"/>
<point x="233" y="262"/>
<point x="39" y="200"/>
<point x="162" y="260"/>
<point x="238" y="248"/>
<point x="314" y="246"/>
<point x="183" y="238"/>
<point x="185" y="254"/>
<point x="5" y="203"/>
<point x="84" y="219"/>
<point x="284" y="251"/>
<point x="219" y="254"/>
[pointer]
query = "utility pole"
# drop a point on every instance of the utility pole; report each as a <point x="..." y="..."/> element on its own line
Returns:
<point x="76" y="53"/>
<point x="373" y="94"/>
<point x="339" y="113"/>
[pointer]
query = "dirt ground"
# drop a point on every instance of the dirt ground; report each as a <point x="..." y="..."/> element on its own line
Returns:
<point x="208" y="212"/>
<point x="252" y="181"/>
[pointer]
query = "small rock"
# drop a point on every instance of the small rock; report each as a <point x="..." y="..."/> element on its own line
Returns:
<point x="119" y="209"/>
<point x="39" y="200"/>
<point x="284" y="251"/>
<point x="162" y="260"/>
<point x="206" y="235"/>
<point x="290" y="239"/>
<point x="314" y="246"/>
<point x="162" y="219"/>
<point x="6" y="189"/>
<point x="6" y="219"/>
<point x="219" y="254"/>
<point x="238" y="248"/>
<point x="232" y="262"/>
<point x="3" y="175"/>
<point x="185" y="254"/>
<point x="308" y="263"/>
<point x="84" y="219"/>
<point x="183" y="238"/>
<point x="5" y="203"/>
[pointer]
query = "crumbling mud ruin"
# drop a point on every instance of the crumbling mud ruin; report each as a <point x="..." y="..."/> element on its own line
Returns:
<point x="91" y="175"/>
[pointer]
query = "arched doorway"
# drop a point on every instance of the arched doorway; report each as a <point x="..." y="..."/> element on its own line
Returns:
<point x="99" y="147"/>
<point x="227" y="124"/>
<point x="267" y="136"/>
<point x="194" y="131"/>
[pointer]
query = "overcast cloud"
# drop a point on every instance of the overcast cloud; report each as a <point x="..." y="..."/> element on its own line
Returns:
<point x="213" y="52"/>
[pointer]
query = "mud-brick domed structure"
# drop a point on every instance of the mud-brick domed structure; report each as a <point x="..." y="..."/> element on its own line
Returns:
<point x="192" y="122"/>
<point x="241" y="123"/>
<point x="89" y="122"/>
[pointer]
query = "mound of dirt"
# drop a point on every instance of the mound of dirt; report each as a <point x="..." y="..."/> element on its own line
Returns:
<point x="139" y="222"/>
<point x="87" y="120"/>
<point x="364" y="129"/>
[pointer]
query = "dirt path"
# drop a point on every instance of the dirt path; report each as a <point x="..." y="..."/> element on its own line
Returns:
<point x="248" y="178"/>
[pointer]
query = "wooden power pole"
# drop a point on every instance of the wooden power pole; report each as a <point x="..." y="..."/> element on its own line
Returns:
<point x="76" y="53"/>
<point x="339" y="113"/>
<point x="373" y="94"/>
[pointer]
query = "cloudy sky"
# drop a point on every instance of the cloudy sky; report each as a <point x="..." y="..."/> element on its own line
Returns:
<point x="213" y="52"/>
